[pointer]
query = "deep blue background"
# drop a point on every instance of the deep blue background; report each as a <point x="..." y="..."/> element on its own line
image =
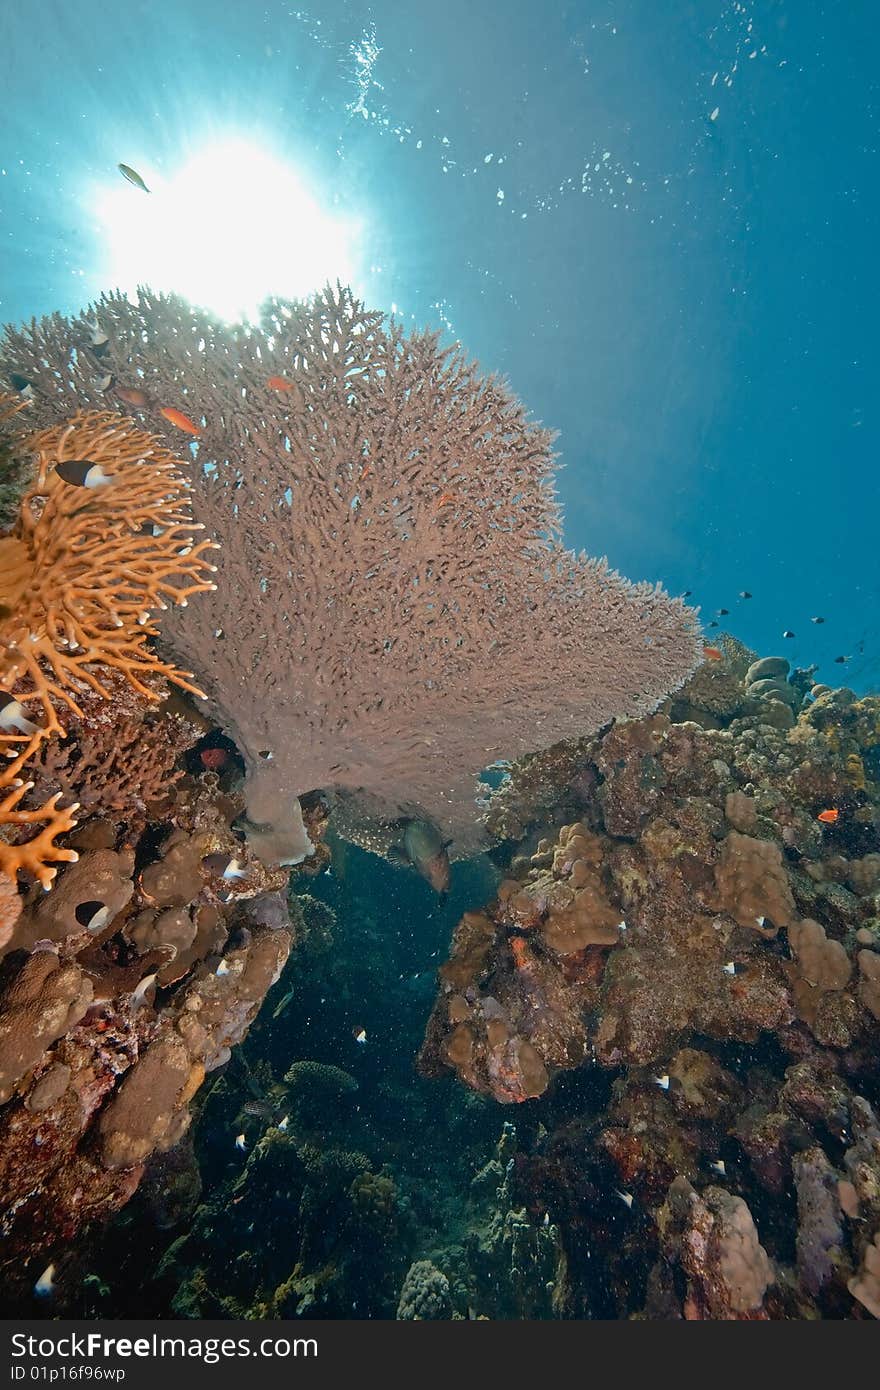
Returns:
<point x="704" y="336"/>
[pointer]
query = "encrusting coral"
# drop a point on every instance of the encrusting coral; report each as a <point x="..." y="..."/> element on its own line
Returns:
<point x="373" y="494"/>
<point x="103" y="538"/>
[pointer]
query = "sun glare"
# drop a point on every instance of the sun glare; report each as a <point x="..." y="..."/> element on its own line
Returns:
<point x="230" y="227"/>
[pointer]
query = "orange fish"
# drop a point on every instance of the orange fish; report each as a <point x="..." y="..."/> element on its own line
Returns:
<point x="366" y="472"/>
<point x="445" y="499"/>
<point x="177" y="417"/>
<point x="712" y="653"/>
<point x="279" y="383"/>
<point x="828" y="817"/>
<point x="139" y="399"/>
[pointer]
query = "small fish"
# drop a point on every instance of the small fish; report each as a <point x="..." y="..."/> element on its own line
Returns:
<point x="840" y="660"/>
<point x="662" y="1082"/>
<point x="133" y="177"/>
<point x="139" y="996"/>
<point x="282" y="1004"/>
<point x="731" y="968"/>
<point x="21" y="384"/>
<point x="177" y="418"/>
<point x="223" y="865"/>
<point x="829" y="817"/>
<point x="92" y="915"/>
<point x="260" y="1108"/>
<point x="744" y="593"/>
<point x="788" y="633"/>
<point x="687" y="593"/>
<point x="97" y="337"/>
<point x="82" y="473"/>
<point x="214" y="759"/>
<point x="282" y="1124"/>
<point x="546" y="1222"/>
<point x="12" y="715"/>
<point x="760" y="921"/>
<point x="359" y="1035"/>
<point x="222" y="968"/>
<point x="445" y="499"/>
<point x="722" y="612"/>
<point x="817" y="620"/>
<point x="718" y="1167"/>
<point x="621" y="926"/>
<point x="132" y="396"/>
<point x="366" y="472"/>
<point x="713" y="654"/>
<point x="103" y="383"/>
<point x="712" y="624"/>
<point x="625" y="1197"/>
<point x="240" y="1142"/>
<point x="280" y="383"/>
<point x="45" y="1285"/>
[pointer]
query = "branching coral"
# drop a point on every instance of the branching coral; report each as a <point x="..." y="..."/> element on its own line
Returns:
<point x="102" y="540"/>
<point x="118" y="757"/>
<point x="39" y="855"/>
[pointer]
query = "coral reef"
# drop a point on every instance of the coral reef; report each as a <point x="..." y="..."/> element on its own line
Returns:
<point x="734" y="916"/>
<point x="670" y="961"/>
<point x="132" y="979"/>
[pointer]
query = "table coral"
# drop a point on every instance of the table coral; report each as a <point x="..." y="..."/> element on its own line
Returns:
<point x="314" y="1087"/>
<point x="394" y="502"/>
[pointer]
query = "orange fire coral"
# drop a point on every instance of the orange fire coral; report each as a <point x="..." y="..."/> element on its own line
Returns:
<point x="96" y="549"/>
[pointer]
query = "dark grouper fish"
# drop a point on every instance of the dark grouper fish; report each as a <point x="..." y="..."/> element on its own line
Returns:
<point x="424" y="848"/>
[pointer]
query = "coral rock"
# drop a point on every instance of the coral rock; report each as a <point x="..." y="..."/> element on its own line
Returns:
<point x="39" y="1004"/>
<point x="752" y="883"/>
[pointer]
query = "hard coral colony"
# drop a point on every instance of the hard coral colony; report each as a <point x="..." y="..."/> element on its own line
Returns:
<point x="678" y="924"/>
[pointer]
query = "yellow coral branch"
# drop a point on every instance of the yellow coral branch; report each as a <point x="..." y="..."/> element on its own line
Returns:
<point x="36" y="856"/>
<point x="83" y="577"/>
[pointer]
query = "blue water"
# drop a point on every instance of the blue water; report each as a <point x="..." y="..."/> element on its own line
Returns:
<point x="687" y="296"/>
